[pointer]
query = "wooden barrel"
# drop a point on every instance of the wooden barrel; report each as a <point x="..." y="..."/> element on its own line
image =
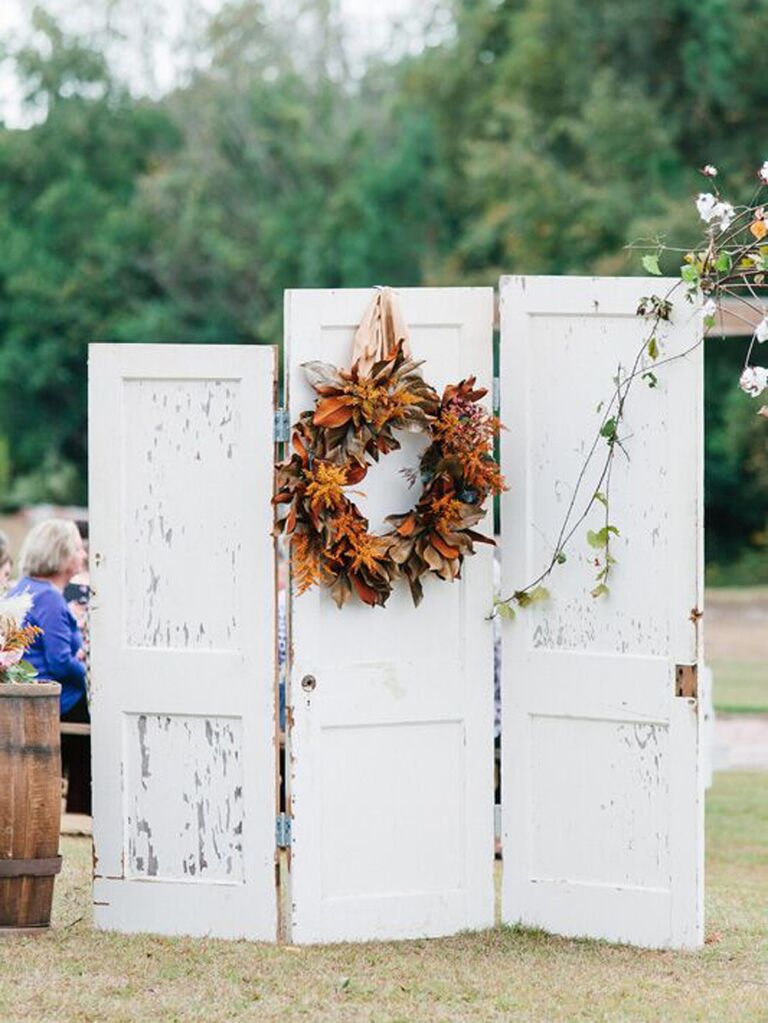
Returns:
<point x="30" y="802"/>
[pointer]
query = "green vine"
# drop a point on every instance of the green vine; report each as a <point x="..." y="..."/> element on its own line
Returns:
<point x="731" y="261"/>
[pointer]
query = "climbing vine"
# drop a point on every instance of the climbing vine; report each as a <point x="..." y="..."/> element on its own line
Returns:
<point x="729" y="261"/>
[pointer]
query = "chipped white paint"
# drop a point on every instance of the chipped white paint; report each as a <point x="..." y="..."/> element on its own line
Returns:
<point x="179" y="429"/>
<point x="392" y="752"/>
<point x="185" y="821"/>
<point x="602" y="801"/>
<point x="183" y="639"/>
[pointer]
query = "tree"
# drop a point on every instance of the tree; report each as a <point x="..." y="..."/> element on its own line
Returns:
<point x="68" y="238"/>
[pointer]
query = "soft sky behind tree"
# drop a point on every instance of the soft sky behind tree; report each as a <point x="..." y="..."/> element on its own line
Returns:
<point x="152" y="45"/>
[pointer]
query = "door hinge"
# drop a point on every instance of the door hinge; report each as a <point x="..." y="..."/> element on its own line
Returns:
<point x="282" y="426"/>
<point x="687" y="680"/>
<point x="283" y="831"/>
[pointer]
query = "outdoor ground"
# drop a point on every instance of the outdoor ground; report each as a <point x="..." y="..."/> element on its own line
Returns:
<point x="74" y="974"/>
<point x="736" y="641"/>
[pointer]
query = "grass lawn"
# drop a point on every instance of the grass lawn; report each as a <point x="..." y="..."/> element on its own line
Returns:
<point x="74" y="974"/>
<point x="741" y="687"/>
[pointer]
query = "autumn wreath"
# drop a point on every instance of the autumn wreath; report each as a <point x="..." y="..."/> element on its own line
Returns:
<point x="356" y="416"/>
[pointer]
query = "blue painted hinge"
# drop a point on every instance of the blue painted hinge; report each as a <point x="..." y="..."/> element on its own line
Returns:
<point x="282" y="428"/>
<point x="283" y="831"/>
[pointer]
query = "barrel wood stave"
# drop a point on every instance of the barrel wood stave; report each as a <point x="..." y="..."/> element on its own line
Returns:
<point x="30" y="801"/>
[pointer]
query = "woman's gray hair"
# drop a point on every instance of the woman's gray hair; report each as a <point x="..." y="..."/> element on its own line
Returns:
<point x="48" y="547"/>
<point x="5" y="549"/>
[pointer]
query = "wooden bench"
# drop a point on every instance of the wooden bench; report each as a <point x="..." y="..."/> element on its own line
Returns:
<point x="75" y="728"/>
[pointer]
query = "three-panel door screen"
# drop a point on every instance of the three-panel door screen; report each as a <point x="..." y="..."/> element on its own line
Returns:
<point x="371" y="813"/>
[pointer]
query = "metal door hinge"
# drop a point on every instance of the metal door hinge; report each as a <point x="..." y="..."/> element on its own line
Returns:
<point x="283" y="831"/>
<point x="282" y="426"/>
<point x="687" y="680"/>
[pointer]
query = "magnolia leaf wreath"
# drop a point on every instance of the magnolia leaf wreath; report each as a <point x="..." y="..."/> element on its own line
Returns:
<point x="357" y="414"/>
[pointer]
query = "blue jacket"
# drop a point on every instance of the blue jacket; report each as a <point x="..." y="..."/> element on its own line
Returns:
<point x="53" y="654"/>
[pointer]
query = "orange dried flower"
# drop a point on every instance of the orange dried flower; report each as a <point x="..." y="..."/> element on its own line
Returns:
<point x="306" y="562"/>
<point x="325" y="491"/>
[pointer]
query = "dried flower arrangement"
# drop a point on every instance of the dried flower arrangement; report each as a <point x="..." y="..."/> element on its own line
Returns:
<point x="15" y="639"/>
<point x="356" y="416"/>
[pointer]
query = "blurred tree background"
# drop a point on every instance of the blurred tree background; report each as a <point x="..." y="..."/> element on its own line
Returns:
<point x="530" y="136"/>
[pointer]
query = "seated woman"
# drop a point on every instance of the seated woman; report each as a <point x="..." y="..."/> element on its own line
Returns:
<point x="51" y="555"/>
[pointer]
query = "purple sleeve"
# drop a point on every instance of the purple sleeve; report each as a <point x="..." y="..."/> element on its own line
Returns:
<point x="61" y="640"/>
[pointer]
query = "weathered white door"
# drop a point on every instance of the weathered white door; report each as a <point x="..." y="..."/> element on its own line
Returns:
<point x="391" y="752"/>
<point x="183" y="652"/>
<point x="602" y="795"/>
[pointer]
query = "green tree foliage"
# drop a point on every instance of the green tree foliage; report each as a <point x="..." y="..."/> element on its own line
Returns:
<point x="536" y="136"/>
<point x="736" y="479"/>
<point x="288" y="177"/>
<point x="572" y="127"/>
<point x="68" y="239"/>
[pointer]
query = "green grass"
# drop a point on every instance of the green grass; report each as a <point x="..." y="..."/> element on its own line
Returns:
<point x="741" y="687"/>
<point x="74" y="975"/>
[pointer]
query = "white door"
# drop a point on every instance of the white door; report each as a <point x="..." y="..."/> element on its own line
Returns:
<point x="392" y="751"/>
<point x="183" y="653"/>
<point x="602" y="796"/>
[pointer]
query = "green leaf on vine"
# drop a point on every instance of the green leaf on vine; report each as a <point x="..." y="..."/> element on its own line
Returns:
<point x="689" y="274"/>
<point x="601" y="590"/>
<point x="560" y="558"/>
<point x="599" y="539"/>
<point x="600" y="496"/>
<point x="723" y="262"/>
<point x="651" y="264"/>
<point x="609" y="429"/>
<point x="653" y="348"/>
<point x="650" y="378"/>
<point x="504" y="610"/>
<point x="535" y="596"/>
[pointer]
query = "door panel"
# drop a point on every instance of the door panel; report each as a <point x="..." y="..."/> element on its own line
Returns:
<point x="392" y="751"/>
<point x="182" y="633"/>
<point x="602" y="802"/>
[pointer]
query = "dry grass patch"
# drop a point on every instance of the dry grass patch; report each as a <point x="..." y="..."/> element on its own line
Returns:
<point x="736" y="624"/>
<point x="74" y="974"/>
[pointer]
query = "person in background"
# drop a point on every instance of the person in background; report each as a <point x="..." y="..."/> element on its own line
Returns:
<point x="77" y="594"/>
<point x="6" y="563"/>
<point x="50" y="556"/>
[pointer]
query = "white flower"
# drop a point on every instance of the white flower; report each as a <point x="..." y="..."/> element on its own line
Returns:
<point x="709" y="171"/>
<point x="754" y="380"/>
<point x="14" y="609"/>
<point x="722" y="215"/>
<point x="705" y="204"/>
<point x="763" y="173"/>
<point x="709" y="309"/>
<point x="712" y="211"/>
<point x="761" y="333"/>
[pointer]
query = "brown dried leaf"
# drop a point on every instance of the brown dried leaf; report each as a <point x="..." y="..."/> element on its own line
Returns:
<point x="333" y="412"/>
